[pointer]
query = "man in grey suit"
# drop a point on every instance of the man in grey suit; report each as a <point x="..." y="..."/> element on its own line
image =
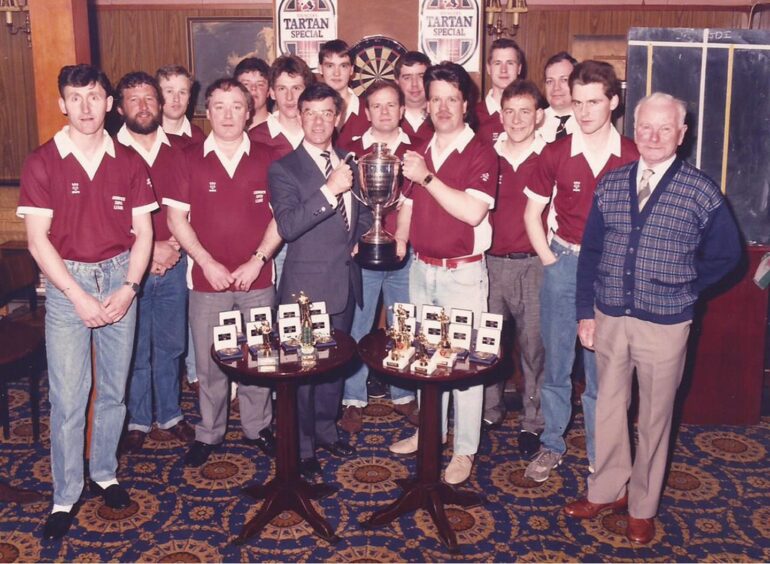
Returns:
<point x="310" y="191"/>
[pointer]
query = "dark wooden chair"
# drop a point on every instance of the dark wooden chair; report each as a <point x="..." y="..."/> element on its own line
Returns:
<point x="22" y="342"/>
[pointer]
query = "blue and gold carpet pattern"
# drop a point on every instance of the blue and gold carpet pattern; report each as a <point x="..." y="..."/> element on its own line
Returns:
<point x="716" y="506"/>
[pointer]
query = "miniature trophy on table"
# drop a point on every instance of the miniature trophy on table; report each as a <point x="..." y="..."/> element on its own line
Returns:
<point x="444" y="356"/>
<point x="402" y="351"/>
<point x="423" y="364"/>
<point x="258" y="337"/>
<point x="306" y="339"/>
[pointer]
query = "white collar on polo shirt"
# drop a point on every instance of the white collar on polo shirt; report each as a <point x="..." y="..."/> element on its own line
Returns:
<point x="275" y="128"/>
<point x="492" y="104"/>
<point x="459" y="143"/>
<point x="66" y="146"/>
<point x="415" y="119"/>
<point x="353" y="106"/>
<point x="596" y="162"/>
<point x="124" y="136"/>
<point x="230" y="165"/>
<point x="535" y="147"/>
<point x="367" y="140"/>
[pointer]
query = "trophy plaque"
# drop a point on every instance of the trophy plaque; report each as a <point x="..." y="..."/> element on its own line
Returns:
<point x="487" y="346"/>
<point x="258" y="338"/>
<point x="226" y="343"/>
<point x="379" y="191"/>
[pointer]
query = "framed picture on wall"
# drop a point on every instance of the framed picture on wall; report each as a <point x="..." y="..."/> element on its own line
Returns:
<point x="216" y="45"/>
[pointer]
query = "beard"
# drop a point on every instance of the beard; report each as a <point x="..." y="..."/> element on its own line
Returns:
<point x="143" y="128"/>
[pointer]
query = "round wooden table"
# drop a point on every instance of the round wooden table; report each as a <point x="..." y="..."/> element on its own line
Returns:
<point x="425" y="490"/>
<point x="287" y="490"/>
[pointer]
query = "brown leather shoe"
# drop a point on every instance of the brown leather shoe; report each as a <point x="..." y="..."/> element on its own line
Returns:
<point x="183" y="431"/>
<point x="352" y="419"/>
<point x="405" y="409"/>
<point x="133" y="441"/>
<point x="584" y="509"/>
<point x="414" y="418"/>
<point x="640" y="531"/>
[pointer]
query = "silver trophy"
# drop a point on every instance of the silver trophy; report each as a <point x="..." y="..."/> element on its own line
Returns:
<point x="379" y="189"/>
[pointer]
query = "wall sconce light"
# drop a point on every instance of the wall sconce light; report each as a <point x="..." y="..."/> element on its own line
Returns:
<point x="10" y="7"/>
<point x="497" y="16"/>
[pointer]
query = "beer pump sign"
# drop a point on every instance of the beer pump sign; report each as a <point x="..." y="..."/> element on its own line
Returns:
<point x="303" y="26"/>
<point x="450" y="30"/>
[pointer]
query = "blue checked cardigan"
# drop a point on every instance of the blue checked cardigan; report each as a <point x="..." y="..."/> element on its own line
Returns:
<point x="653" y="265"/>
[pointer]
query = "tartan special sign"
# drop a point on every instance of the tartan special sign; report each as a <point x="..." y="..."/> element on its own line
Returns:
<point x="450" y="30"/>
<point x="303" y="26"/>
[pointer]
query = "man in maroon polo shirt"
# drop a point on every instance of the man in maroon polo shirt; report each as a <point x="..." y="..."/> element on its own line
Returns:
<point x="253" y="72"/>
<point x="447" y="213"/>
<point x="282" y="130"/>
<point x="86" y="204"/>
<point x="161" y="334"/>
<point x="230" y="235"/>
<point x="573" y="165"/>
<point x="176" y="87"/>
<point x="336" y="70"/>
<point x="385" y="107"/>
<point x="504" y="65"/>
<point x="515" y="271"/>
<point x="409" y="70"/>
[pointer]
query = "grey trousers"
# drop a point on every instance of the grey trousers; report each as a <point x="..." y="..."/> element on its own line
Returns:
<point x="214" y="395"/>
<point x="514" y="292"/>
<point x="658" y="353"/>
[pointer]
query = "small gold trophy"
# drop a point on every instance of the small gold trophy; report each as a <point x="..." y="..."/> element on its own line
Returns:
<point x="444" y="347"/>
<point x="265" y="330"/>
<point x="402" y="350"/>
<point x="307" y="342"/>
<point x="423" y="363"/>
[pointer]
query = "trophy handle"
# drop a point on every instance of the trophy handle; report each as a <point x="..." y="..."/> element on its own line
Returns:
<point x="357" y="197"/>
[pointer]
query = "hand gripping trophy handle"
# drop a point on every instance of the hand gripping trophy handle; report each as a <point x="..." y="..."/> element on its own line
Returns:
<point x="379" y="171"/>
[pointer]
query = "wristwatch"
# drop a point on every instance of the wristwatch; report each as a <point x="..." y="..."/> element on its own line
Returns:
<point x="261" y="256"/>
<point x="134" y="286"/>
<point x="427" y="179"/>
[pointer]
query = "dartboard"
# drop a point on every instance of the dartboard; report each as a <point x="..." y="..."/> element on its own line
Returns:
<point x="374" y="58"/>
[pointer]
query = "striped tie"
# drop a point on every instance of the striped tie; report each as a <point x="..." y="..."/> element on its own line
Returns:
<point x="340" y="200"/>
<point x="644" y="188"/>
<point x="561" y="130"/>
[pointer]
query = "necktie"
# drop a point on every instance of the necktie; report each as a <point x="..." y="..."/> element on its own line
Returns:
<point x="561" y="130"/>
<point x="340" y="200"/>
<point x="644" y="188"/>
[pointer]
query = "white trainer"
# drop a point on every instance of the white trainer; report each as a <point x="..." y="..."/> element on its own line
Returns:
<point x="459" y="469"/>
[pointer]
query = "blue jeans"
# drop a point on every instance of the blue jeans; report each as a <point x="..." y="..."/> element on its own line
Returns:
<point x="558" y="325"/>
<point x="465" y="287"/>
<point x="68" y="347"/>
<point x="395" y="288"/>
<point x="161" y="328"/>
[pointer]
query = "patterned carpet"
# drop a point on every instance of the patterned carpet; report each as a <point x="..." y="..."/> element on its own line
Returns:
<point x="716" y="506"/>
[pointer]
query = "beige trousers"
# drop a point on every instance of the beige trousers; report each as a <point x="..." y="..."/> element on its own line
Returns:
<point x="658" y="353"/>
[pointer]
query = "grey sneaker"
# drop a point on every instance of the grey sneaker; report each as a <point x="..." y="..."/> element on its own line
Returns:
<point x="540" y="467"/>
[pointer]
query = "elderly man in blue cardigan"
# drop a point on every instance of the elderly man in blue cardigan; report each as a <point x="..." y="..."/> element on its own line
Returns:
<point x="658" y="234"/>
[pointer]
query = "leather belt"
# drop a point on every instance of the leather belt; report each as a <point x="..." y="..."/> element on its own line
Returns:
<point x="514" y="256"/>
<point x="575" y="248"/>
<point x="448" y="262"/>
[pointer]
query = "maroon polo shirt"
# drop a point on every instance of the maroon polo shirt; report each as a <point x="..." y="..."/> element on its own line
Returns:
<point x="433" y="231"/>
<point x="508" y="232"/>
<point x="423" y="134"/>
<point x="355" y="125"/>
<point x="280" y="144"/>
<point x="490" y="126"/>
<point x="165" y="171"/>
<point x="91" y="220"/>
<point x="575" y="182"/>
<point x="229" y="215"/>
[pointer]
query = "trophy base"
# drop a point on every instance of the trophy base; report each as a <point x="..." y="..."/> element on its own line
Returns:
<point x="377" y="256"/>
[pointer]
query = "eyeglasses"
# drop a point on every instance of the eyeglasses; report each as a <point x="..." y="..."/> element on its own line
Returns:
<point x="325" y="115"/>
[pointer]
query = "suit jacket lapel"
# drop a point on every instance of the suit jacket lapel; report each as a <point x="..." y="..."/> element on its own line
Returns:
<point x="353" y="202"/>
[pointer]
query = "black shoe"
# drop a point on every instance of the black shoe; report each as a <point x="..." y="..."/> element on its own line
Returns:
<point x="339" y="448"/>
<point x="57" y="524"/>
<point x="488" y="425"/>
<point x="375" y="388"/>
<point x="198" y="454"/>
<point x="114" y="496"/>
<point x="265" y="442"/>
<point x="309" y="468"/>
<point x="529" y="443"/>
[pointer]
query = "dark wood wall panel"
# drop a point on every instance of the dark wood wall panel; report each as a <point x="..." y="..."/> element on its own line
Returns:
<point x="546" y="31"/>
